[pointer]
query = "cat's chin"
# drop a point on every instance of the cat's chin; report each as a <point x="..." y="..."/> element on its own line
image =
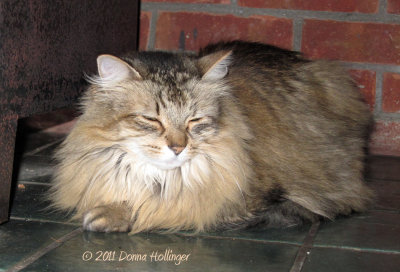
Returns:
<point x="168" y="160"/>
<point x="168" y="165"/>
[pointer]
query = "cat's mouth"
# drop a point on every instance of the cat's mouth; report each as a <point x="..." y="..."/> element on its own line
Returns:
<point x="166" y="159"/>
<point x="168" y="165"/>
<point x="169" y="161"/>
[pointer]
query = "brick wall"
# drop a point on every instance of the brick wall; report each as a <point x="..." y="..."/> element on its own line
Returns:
<point x="363" y="34"/>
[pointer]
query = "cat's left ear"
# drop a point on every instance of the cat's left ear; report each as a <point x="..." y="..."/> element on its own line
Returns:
<point x="115" y="69"/>
<point x="215" y="66"/>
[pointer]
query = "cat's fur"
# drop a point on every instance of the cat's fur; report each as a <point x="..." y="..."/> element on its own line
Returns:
<point x="239" y="135"/>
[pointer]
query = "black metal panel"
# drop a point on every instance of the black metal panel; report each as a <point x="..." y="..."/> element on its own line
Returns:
<point x="45" y="47"/>
<point x="8" y="128"/>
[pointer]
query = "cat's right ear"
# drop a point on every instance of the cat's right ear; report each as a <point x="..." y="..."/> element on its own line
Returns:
<point x="113" y="69"/>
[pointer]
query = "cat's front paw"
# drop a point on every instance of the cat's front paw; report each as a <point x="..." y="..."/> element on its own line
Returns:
<point x="108" y="218"/>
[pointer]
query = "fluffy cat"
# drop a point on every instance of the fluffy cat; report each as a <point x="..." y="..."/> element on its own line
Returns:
<point x="241" y="134"/>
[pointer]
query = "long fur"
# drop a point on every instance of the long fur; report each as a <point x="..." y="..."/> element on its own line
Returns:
<point x="285" y="144"/>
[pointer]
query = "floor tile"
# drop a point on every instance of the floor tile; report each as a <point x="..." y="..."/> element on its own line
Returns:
<point x="334" y="260"/>
<point x="376" y="230"/>
<point x="35" y="168"/>
<point x="293" y="235"/>
<point x="20" y="239"/>
<point x="387" y="194"/>
<point x="30" y="202"/>
<point x="383" y="168"/>
<point x="34" y="142"/>
<point x="204" y="254"/>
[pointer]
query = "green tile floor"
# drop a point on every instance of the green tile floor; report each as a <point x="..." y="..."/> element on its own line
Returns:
<point x="36" y="239"/>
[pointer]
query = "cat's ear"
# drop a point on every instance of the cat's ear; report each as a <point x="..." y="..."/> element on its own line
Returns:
<point x="215" y="66"/>
<point x="114" y="69"/>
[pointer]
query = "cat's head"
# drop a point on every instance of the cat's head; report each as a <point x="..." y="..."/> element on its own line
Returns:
<point x="165" y="108"/>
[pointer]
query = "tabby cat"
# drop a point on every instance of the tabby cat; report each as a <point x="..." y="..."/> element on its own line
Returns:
<point x="241" y="134"/>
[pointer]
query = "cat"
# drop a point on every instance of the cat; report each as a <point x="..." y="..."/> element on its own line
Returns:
<point x="241" y="134"/>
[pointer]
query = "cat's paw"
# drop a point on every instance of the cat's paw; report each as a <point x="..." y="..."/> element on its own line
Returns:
<point x="109" y="218"/>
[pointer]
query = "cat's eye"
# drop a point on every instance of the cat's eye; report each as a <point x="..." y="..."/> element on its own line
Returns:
<point x="196" y="119"/>
<point x="147" y="123"/>
<point x="200" y="125"/>
<point x="149" y="118"/>
<point x="199" y="128"/>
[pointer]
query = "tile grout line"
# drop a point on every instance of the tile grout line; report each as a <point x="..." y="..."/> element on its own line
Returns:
<point x="242" y="239"/>
<point x="382" y="180"/>
<point x="41" y="148"/>
<point x="27" y="182"/>
<point x="386" y="210"/>
<point x="31" y="259"/>
<point x="305" y="248"/>
<point x="280" y="13"/>
<point x="43" y="221"/>
<point x="362" y="250"/>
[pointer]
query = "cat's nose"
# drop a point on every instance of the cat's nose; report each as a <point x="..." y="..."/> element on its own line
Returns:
<point x="177" y="149"/>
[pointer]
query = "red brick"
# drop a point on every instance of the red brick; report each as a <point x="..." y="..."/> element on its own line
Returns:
<point x="360" y="42"/>
<point x="366" y="82"/>
<point x="144" y="30"/>
<point x="385" y="139"/>
<point x="192" y="1"/>
<point x="393" y="6"/>
<point x="391" y="93"/>
<point x="191" y="31"/>
<point x="364" y="6"/>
